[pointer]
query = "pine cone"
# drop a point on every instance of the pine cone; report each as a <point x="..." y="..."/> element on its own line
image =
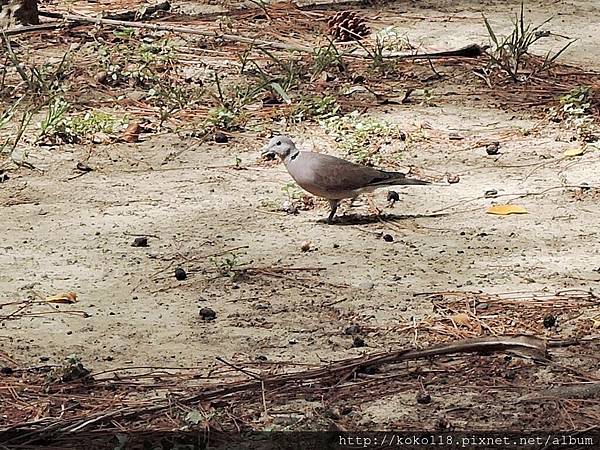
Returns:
<point x="347" y="26"/>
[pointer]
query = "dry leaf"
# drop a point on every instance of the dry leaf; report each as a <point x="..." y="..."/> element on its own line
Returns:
<point x="132" y="133"/>
<point x="574" y="152"/>
<point x="65" y="297"/>
<point x="504" y="210"/>
<point x="461" y="319"/>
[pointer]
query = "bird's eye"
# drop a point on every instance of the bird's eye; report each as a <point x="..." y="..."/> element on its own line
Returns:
<point x="278" y="142"/>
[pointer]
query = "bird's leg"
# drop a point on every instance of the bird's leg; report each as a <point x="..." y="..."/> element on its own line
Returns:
<point x="373" y="205"/>
<point x="333" y="204"/>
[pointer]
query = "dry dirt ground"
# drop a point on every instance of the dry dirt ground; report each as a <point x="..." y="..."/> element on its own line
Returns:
<point x="63" y="233"/>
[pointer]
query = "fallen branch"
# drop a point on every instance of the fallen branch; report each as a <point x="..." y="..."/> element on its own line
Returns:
<point x="322" y="380"/>
<point x="469" y="51"/>
<point x="136" y="15"/>
<point x="575" y="391"/>
<point x="33" y="28"/>
<point x="185" y="30"/>
<point x="143" y="14"/>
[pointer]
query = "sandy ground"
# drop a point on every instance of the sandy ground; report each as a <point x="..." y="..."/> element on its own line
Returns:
<point x="74" y="234"/>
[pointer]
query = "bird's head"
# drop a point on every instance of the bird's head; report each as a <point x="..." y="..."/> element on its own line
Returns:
<point x="281" y="146"/>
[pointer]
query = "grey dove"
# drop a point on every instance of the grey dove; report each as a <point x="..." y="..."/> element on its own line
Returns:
<point x="330" y="177"/>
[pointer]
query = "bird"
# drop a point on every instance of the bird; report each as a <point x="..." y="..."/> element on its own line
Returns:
<point x="329" y="177"/>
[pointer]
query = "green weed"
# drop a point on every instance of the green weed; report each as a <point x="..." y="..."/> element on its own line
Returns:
<point x="508" y="52"/>
<point x="361" y="136"/>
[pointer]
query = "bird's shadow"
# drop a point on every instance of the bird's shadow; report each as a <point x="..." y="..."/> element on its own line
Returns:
<point x="364" y="219"/>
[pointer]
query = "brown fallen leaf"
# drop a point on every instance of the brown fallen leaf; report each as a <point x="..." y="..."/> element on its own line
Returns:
<point x="65" y="297"/>
<point x="461" y="319"/>
<point x="132" y="132"/>
<point x="504" y="210"/>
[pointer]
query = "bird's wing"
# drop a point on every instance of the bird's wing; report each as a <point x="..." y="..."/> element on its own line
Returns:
<point x="328" y="176"/>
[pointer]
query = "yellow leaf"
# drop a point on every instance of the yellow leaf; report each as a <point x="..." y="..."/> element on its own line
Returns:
<point x="504" y="210"/>
<point x="66" y="297"/>
<point x="574" y="151"/>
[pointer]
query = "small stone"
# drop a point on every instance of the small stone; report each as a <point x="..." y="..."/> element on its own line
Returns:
<point x="180" y="274"/>
<point x="358" y="342"/>
<point x="44" y="358"/>
<point x="490" y="193"/>
<point x="333" y="413"/>
<point x="443" y="424"/>
<point x="141" y="241"/>
<point x="101" y="77"/>
<point x="289" y="207"/>
<point x="423" y="398"/>
<point x="388" y="238"/>
<point x="83" y="167"/>
<point x="346" y="410"/>
<point x="220" y="137"/>
<point x="370" y="370"/>
<point x="492" y="148"/>
<point x="510" y="375"/>
<point x="305" y="246"/>
<point x="352" y="329"/>
<point x="549" y="321"/>
<point x="452" y="179"/>
<point x="207" y="314"/>
<point x="293" y="341"/>
<point x="366" y="285"/>
<point x="325" y="77"/>
<point x="393" y="196"/>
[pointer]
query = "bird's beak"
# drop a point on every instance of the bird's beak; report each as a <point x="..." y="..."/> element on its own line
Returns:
<point x="267" y="153"/>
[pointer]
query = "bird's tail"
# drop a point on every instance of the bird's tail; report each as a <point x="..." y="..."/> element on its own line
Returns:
<point x="398" y="178"/>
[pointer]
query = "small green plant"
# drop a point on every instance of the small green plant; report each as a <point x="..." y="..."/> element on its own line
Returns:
<point x="70" y="370"/>
<point x="291" y="191"/>
<point x="41" y="81"/>
<point x="428" y="98"/>
<point x="223" y="118"/>
<point x="577" y="102"/>
<point x="226" y="266"/>
<point x="325" y="58"/>
<point x="56" y="126"/>
<point x="576" y="109"/>
<point x="508" y="53"/>
<point x="392" y="39"/>
<point x="9" y="145"/>
<point x="5" y="118"/>
<point x="377" y="54"/>
<point x="54" y="118"/>
<point x="315" y="107"/>
<point x="361" y="136"/>
<point x="125" y="33"/>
